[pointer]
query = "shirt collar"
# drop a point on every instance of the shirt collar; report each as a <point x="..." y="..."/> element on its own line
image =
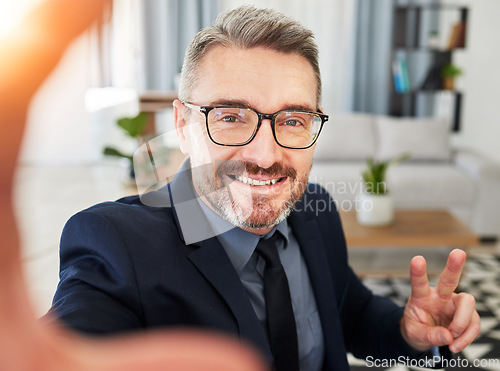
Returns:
<point x="238" y="243"/>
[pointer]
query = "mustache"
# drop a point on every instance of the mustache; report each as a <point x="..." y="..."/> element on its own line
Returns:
<point x="276" y="170"/>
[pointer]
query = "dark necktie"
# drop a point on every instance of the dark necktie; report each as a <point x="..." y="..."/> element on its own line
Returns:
<point x="280" y="318"/>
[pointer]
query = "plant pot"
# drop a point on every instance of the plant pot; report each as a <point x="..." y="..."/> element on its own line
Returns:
<point x="449" y="83"/>
<point x="374" y="210"/>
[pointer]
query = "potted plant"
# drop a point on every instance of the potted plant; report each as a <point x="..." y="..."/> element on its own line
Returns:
<point x="448" y="73"/>
<point x="134" y="127"/>
<point x="375" y="204"/>
<point x="151" y="158"/>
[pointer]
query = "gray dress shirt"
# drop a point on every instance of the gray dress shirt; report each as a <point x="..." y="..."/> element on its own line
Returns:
<point x="240" y="246"/>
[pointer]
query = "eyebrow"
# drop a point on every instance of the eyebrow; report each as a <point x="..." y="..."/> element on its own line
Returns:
<point x="246" y="104"/>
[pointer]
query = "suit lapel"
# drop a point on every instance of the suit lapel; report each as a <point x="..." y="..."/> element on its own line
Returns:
<point x="212" y="261"/>
<point x="313" y="250"/>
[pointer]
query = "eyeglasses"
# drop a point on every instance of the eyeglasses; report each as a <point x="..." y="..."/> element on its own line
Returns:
<point x="237" y="126"/>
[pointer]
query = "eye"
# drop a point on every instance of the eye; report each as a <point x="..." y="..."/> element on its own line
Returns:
<point x="229" y="119"/>
<point x="226" y="117"/>
<point x="292" y="122"/>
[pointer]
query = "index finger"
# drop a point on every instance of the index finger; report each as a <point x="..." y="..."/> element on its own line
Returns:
<point x="418" y="277"/>
<point x="448" y="282"/>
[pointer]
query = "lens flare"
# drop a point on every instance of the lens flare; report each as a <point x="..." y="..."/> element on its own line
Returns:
<point x="12" y="12"/>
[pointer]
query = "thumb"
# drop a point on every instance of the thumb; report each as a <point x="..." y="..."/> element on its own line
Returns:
<point x="422" y="336"/>
<point x="438" y="335"/>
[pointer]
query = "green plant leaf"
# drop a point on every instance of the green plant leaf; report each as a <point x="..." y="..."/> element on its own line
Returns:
<point x="110" y="151"/>
<point x="396" y="160"/>
<point x="450" y="70"/>
<point x="374" y="175"/>
<point x="133" y="126"/>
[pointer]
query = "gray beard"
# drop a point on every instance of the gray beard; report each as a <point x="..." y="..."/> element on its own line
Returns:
<point x="226" y="208"/>
<point x="262" y="215"/>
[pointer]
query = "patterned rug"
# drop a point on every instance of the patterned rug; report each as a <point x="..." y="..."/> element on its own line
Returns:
<point x="482" y="280"/>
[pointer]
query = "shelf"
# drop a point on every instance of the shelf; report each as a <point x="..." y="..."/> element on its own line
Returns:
<point x="427" y="49"/>
<point x="406" y="33"/>
<point x="408" y="100"/>
<point x="429" y="91"/>
<point x="436" y="7"/>
<point x="415" y="63"/>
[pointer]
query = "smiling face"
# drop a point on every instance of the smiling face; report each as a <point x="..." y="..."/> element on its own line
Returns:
<point x="253" y="186"/>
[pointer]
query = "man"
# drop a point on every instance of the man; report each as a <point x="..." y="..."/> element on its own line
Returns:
<point x="249" y="116"/>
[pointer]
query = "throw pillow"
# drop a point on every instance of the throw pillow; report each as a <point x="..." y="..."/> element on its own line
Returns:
<point x="346" y="137"/>
<point x="425" y="138"/>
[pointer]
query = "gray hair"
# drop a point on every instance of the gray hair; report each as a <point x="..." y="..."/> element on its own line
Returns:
<point x="247" y="27"/>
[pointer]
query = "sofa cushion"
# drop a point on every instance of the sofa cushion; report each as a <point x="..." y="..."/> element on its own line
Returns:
<point x="432" y="185"/>
<point x="425" y="138"/>
<point x="414" y="185"/>
<point x="346" y="137"/>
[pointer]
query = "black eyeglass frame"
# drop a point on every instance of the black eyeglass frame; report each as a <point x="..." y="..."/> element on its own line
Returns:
<point x="262" y="116"/>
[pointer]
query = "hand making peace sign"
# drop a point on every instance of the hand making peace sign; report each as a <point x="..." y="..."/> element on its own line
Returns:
<point x="437" y="316"/>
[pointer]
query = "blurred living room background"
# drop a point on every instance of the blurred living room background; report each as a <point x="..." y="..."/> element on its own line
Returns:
<point x="382" y="63"/>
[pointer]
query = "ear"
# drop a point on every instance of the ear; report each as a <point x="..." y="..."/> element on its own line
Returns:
<point x="180" y="125"/>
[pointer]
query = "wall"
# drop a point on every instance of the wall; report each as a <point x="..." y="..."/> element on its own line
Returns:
<point x="60" y="130"/>
<point x="481" y="80"/>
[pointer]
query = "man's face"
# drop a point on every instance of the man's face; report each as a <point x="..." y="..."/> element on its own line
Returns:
<point x="252" y="186"/>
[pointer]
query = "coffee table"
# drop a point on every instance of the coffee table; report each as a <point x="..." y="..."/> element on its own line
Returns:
<point x="387" y="250"/>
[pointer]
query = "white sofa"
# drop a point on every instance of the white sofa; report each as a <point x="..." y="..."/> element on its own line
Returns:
<point x="436" y="176"/>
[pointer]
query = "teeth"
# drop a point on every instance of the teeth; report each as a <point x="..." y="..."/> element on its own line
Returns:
<point x="253" y="182"/>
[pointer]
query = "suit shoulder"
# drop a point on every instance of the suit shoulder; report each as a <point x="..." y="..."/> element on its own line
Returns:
<point x="315" y="192"/>
<point x="316" y="201"/>
<point x="124" y="211"/>
<point x="125" y="203"/>
<point x="316" y="189"/>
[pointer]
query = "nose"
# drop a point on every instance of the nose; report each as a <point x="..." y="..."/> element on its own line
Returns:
<point x="263" y="149"/>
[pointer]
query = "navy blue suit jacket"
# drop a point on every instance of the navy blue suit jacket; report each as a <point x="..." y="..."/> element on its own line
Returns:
<point x="126" y="266"/>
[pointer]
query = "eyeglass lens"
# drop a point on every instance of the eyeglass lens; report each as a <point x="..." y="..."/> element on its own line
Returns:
<point x="233" y="126"/>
